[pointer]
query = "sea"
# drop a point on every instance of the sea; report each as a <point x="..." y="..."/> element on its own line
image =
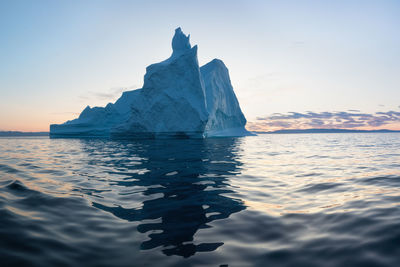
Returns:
<point x="266" y="200"/>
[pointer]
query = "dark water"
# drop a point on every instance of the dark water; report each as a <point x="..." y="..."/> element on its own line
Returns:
<point x="270" y="200"/>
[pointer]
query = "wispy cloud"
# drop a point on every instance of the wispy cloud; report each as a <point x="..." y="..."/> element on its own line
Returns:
<point x="297" y="43"/>
<point x="64" y="113"/>
<point x="110" y="95"/>
<point x="329" y="120"/>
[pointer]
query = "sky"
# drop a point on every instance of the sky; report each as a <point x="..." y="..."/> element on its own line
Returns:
<point x="293" y="64"/>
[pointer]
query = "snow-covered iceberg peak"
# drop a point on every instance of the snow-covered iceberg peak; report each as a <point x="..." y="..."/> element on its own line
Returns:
<point x="178" y="99"/>
<point x="180" y="42"/>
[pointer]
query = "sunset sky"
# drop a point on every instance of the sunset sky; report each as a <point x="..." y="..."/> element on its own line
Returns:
<point x="293" y="64"/>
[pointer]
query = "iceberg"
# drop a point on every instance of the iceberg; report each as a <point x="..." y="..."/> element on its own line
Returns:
<point x="179" y="99"/>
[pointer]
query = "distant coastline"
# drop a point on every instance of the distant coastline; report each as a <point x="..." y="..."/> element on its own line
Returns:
<point x="299" y="131"/>
<point x="288" y="131"/>
<point x="17" y="133"/>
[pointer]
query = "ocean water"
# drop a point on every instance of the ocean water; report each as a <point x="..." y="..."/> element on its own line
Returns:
<point x="267" y="200"/>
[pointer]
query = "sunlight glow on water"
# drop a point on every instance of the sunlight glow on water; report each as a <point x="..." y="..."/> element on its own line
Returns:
<point x="295" y="199"/>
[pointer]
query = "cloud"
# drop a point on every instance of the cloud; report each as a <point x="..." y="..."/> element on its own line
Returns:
<point x="328" y="120"/>
<point x="110" y="95"/>
<point x="105" y="96"/>
<point x="64" y="113"/>
<point x="297" y="44"/>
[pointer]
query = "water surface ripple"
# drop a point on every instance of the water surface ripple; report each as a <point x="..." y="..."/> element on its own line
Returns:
<point x="268" y="200"/>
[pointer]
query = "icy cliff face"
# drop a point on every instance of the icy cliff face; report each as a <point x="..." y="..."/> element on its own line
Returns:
<point x="178" y="99"/>
<point x="225" y="116"/>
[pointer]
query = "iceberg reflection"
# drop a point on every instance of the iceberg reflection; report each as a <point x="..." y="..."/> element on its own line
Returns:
<point x="185" y="182"/>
